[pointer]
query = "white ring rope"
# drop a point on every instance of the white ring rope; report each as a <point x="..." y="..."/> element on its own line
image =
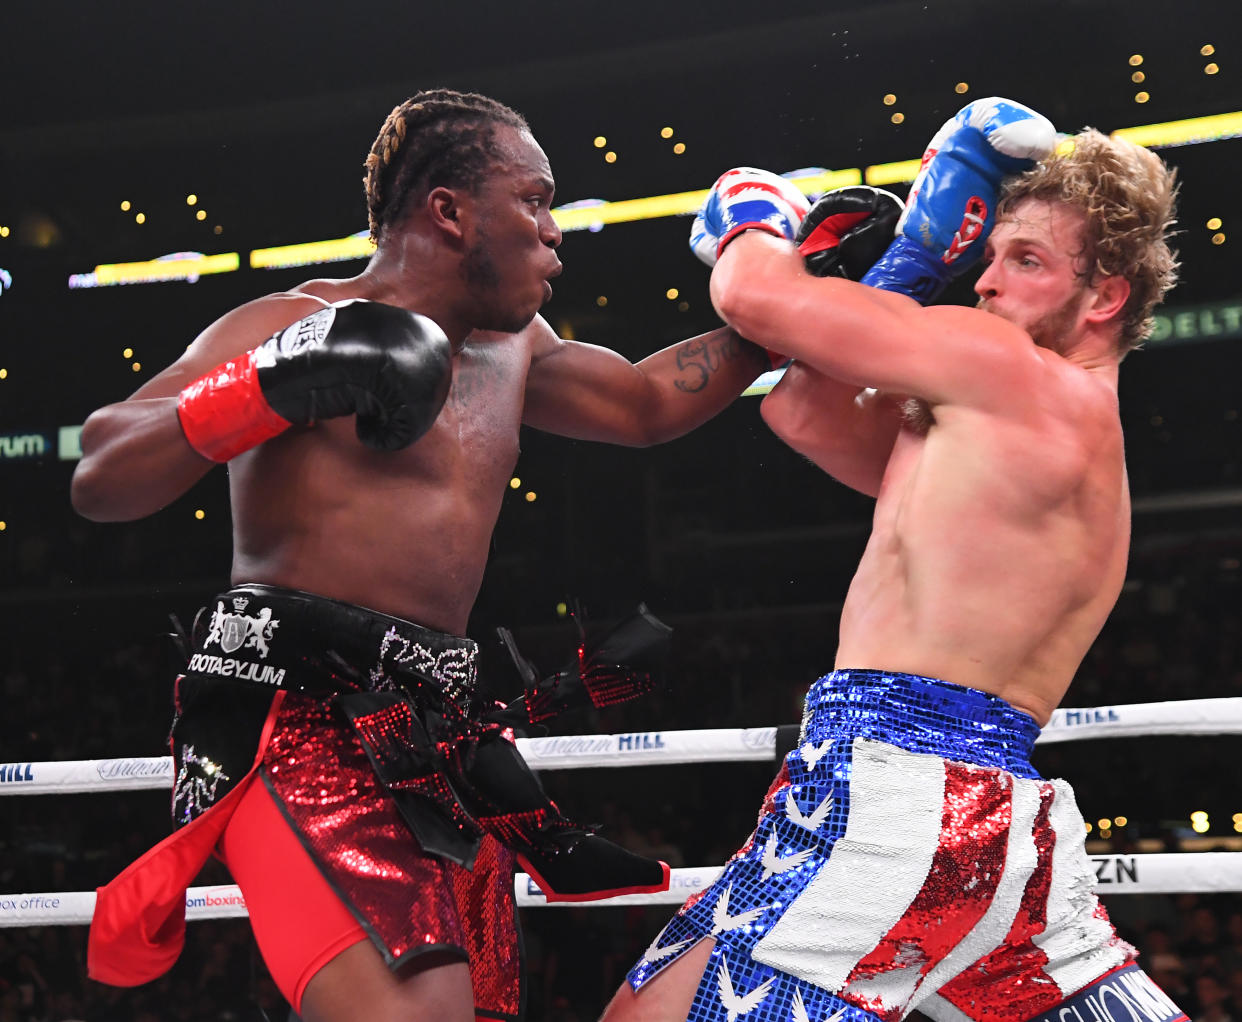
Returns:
<point x="647" y="748"/>
<point x="1163" y="873"/>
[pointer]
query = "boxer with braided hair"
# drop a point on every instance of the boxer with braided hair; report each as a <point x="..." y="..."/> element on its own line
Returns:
<point x="439" y="137"/>
<point x="327" y="743"/>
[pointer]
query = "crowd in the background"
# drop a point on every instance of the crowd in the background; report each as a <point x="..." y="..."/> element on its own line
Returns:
<point x="1176" y="638"/>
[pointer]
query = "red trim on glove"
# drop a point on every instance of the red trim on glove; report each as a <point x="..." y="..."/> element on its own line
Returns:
<point x="224" y="412"/>
<point x="828" y="232"/>
<point x="754" y="225"/>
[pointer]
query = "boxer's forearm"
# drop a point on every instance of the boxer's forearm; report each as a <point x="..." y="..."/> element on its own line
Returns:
<point x="592" y="393"/>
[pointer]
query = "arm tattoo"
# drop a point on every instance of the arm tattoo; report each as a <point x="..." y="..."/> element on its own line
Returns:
<point x="699" y="357"/>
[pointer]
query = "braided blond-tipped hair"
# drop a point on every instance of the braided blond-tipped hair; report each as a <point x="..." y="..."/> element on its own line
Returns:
<point x="1127" y="196"/>
<point x="435" y="138"/>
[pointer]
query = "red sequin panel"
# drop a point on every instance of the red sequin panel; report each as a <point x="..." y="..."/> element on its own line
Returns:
<point x="410" y="901"/>
<point x="1010" y="984"/>
<point x="486" y="906"/>
<point x="965" y="871"/>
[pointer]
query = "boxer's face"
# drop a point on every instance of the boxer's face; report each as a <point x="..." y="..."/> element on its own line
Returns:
<point x="1032" y="276"/>
<point x="511" y="246"/>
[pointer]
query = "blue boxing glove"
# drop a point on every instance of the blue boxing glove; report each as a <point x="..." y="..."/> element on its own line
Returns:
<point x="952" y="203"/>
<point x="746" y="199"/>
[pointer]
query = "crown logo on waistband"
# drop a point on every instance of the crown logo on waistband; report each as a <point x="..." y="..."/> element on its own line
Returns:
<point x="240" y="603"/>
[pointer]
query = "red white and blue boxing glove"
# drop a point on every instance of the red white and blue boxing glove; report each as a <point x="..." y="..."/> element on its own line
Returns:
<point x="951" y="206"/>
<point x="746" y="199"/>
<point x="388" y="366"/>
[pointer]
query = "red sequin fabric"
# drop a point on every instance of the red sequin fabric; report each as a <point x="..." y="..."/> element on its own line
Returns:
<point x="410" y="902"/>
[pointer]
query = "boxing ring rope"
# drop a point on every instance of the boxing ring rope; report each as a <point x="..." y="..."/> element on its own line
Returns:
<point x="1117" y="874"/>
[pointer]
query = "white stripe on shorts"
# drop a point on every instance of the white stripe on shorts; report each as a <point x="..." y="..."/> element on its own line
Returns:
<point x="1080" y="947"/>
<point x="874" y="872"/>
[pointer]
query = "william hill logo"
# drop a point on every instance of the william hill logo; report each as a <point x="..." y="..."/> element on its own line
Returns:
<point x="14" y="772"/>
<point x="640" y="741"/>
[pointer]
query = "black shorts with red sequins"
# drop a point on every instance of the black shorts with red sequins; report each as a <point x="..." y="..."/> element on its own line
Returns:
<point x="256" y="641"/>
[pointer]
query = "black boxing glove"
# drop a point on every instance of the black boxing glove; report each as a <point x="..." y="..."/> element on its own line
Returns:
<point x="389" y="366"/>
<point x="847" y="230"/>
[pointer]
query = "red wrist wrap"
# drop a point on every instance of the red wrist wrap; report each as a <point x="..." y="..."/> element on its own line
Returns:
<point x="224" y="412"/>
<point x="752" y="225"/>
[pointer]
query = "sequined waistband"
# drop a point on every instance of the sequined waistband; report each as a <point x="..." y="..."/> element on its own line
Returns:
<point x="922" y="715"/>
<point x="291" y="639"/>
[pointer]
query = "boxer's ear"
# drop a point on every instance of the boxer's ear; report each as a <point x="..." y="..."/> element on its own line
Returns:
<point x="1110" y="295"/>
<point x="444" y="209"/>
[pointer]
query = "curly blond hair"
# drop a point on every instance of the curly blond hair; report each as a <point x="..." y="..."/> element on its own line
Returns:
<point x="436" y="137"/>
<point x="1127" y="196"/>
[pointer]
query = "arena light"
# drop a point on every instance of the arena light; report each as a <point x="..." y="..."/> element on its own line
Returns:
<point x="576" y="217"/>
<point x="1188" y="132"/>
<point x="892" y="173"/>
<point x="356" y="246"/>
<point x="182" y="266"/>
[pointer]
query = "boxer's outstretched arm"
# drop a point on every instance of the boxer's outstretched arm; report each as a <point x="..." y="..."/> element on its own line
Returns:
<point x="135" y="457"/>
<point x="592" y="393"/>
<point x="946" y="355"/>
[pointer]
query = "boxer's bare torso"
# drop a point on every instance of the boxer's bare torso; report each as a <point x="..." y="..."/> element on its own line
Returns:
<point x="999" y="540"/>
<point x="404" y="532"/>
<point x="1001" y="526"/>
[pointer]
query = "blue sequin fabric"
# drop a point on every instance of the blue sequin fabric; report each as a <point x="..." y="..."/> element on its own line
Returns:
<point x="803" y="817"/>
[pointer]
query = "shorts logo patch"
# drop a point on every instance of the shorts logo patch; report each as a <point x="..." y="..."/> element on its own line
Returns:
<point x="233" y="631"/>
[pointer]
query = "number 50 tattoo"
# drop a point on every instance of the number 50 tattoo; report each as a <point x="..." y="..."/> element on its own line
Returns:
<point x="699" y="357"/>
